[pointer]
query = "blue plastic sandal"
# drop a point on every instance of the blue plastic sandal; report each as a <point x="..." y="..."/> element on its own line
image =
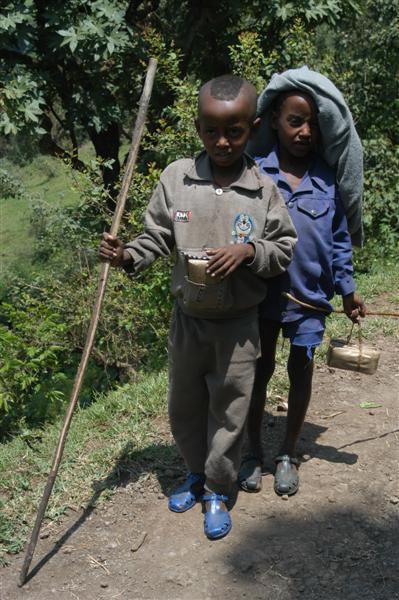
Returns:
<point x="217" y="522"/>
<point x="188" y="493"/>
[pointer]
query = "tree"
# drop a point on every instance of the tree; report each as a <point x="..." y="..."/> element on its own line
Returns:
<point x="76" y="63"/>
<point x="79" y="64"/>
<point x="367" y="56"/>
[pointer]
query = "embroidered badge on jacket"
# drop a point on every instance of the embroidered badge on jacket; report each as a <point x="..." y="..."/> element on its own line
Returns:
<point x="182" y="216"/>
<point x="242" y="228"/>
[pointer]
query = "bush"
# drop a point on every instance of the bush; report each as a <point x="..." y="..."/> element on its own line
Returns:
<point x="10" y="187"/>
<point x="45" y="317"/>
<point x="381" y="218"/>
<point x="33" y="359"/>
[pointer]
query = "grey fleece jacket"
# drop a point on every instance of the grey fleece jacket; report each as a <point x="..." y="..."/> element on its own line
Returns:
<point x="342" y="149"/>
<point x="188" y="213"/>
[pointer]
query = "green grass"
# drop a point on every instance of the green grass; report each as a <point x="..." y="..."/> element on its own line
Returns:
<point x="380" y="291"/>
<point x="111" y="438"/>
<point x="44" y="178"/>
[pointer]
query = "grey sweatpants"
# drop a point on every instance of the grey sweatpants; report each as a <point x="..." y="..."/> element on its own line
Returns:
<point x="211" y="375"/>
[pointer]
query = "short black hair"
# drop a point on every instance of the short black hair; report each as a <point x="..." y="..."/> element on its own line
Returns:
<point x="280" y="99"/>
<point x="226" y="87"/>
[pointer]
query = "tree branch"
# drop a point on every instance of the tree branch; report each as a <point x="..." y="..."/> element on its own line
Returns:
<point x="134" y="14"/>
<point x="48" y="146"/>
<point x="14" y="55"/>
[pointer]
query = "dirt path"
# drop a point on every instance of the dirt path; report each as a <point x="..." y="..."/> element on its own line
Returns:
<point x="336" y="539"/>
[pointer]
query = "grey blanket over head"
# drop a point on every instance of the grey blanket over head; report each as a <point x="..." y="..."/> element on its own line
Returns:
<point x="342" y="149"/>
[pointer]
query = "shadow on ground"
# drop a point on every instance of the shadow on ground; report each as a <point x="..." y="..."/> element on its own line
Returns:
<point x="273" y="434"/>
<point x="330" y="555"/>
<point x="161" y="459"/>
<point x="164" y="461"/>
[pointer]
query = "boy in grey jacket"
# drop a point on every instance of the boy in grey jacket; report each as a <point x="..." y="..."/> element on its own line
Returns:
<point x="231" y="231"/>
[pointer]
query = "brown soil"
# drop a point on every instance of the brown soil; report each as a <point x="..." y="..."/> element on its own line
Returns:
<point x="336" y="539"/>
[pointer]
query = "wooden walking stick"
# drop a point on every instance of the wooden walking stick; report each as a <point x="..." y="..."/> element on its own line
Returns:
<point x="102" y="282"/>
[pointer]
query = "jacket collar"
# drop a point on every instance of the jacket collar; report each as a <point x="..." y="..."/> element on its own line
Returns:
<point x="249" y="178"/>
<point x="271" y="164"/>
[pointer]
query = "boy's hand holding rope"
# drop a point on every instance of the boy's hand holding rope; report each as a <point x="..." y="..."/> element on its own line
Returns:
<point x="338" y="311"/>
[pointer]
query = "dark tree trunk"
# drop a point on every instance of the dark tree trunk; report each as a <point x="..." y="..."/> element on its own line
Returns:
<point x="106" y="143"/>
<point x="47" y="145"/>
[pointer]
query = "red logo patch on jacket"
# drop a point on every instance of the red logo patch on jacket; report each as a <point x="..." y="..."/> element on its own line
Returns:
<point x="182" y="216"/>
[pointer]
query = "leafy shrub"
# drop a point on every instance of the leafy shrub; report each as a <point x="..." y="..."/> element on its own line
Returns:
<point x="9" y="185"/>
<point x="363" y="89"/>
<point x="32" y="361"/>
<point x="43" y="329"/>
<point x="45" y="319"/>
<point x="381" y="217"/>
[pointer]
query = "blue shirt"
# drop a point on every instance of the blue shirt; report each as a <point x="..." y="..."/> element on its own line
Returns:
<point x="322" y="263"/>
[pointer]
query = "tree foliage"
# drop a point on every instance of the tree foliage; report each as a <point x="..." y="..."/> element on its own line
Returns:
<point x="79" y="64"/>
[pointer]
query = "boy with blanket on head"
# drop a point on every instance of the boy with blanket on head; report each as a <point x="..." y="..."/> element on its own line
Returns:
<point x="230" y="231"/>
<point x="308" y="145"/>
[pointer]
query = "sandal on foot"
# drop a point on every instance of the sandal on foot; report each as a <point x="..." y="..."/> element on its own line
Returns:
<point x="186" y="496"/>
<point x="286" y="479"/>
<point x="250" y="475"/>
<point x="217" y="521"/>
